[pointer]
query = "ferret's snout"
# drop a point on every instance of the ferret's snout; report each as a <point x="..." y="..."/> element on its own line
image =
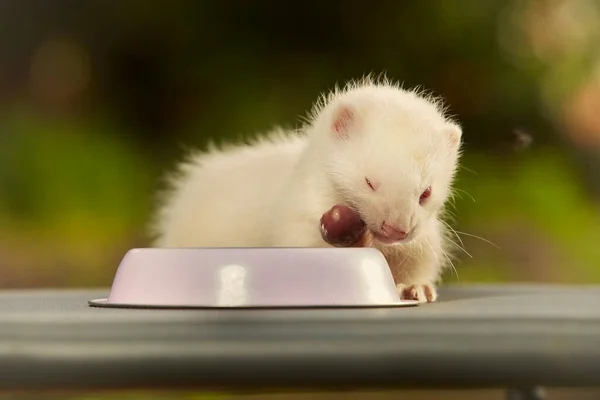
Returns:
<point x="393" y="232"/>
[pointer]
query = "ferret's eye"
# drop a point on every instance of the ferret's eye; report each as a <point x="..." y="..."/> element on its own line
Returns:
<point x="425" y="195"/>
<point x="370" y="184"/>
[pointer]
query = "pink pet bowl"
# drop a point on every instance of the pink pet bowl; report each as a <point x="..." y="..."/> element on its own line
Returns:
<point x="253" y="278"/>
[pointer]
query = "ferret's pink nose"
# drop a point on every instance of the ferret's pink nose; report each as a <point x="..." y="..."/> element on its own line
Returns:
<point x="393" y="232"/>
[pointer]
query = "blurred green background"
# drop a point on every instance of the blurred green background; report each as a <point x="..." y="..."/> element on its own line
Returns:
<point x="99" y="98"/>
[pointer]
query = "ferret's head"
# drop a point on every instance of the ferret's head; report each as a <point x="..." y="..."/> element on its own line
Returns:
<point x="392" y="155"/>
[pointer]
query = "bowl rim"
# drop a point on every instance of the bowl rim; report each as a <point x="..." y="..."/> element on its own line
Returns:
<point x="104" y="303"/>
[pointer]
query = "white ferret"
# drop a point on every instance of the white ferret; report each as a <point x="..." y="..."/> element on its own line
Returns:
<point x="389" y="153"/>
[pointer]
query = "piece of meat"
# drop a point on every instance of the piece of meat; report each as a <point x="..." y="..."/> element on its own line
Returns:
<point x="341" y="226"/>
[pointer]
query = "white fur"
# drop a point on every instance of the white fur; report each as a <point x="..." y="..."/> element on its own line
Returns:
<point x="272" y="193"/>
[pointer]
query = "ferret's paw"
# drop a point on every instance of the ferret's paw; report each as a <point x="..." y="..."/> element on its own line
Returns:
<point x="422" y="293"/>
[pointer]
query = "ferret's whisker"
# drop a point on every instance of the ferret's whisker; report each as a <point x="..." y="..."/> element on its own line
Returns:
<point x="460" y="247"/>
<point x="445" y="255"/>
<point x="451" y="203"/>
<point x="401" y="271"/>
<point x="465" y="192"/>
<point x="401" y="267"/>
<point x="467" y="169"/>
<point x="462" y="244"/>
<point x="433" y="251"/>
<point x="478" y="237"/>
<point x="452" y="265"/>
<point x="452" y="196"/>
<point x="450" y="213"/>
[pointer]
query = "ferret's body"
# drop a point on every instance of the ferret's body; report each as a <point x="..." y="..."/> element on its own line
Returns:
<point x="226" y="194"/>
<point x="273" y="192"/>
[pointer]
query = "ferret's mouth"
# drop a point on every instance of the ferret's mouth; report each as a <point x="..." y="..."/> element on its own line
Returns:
<point x="390" y="241"/>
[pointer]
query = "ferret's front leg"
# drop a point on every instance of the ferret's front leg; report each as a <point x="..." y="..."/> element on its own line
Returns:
<point x="415" y="276"/>
<point x="423" y="293"/>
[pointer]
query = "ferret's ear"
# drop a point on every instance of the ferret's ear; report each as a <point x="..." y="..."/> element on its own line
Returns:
<point x="454" y="134"/>
<point x="344" y="121"/>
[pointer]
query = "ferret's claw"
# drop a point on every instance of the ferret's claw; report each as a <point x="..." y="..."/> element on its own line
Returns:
<point x="422" y="293"/>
